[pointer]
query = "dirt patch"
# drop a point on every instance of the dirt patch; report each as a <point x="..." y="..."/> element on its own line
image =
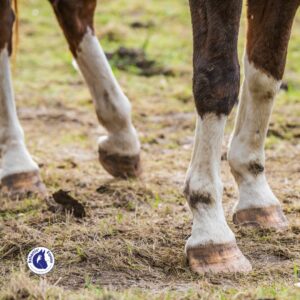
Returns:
<point x="63" y="202"/>
<point x="139" y="24"/>
<point x="131" y="243"/>
<point x="126" y="58"/>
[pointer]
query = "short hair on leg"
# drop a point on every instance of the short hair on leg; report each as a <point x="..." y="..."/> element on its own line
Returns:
<point x="216" y="67"/>
<point x="75" y="18"/>
<point x="269" y="30"/>
<point x="7" y="18"/>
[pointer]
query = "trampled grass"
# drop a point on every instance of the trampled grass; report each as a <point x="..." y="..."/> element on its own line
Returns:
<point x="130" y="245"/>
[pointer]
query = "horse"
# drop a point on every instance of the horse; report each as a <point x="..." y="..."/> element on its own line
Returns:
<point x="39" y="260"/>
<point x="212" y="245"/>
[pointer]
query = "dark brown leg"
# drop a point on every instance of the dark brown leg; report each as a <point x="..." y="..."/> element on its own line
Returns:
<point x="269" y="28"/>
<point x="119" y="151"/>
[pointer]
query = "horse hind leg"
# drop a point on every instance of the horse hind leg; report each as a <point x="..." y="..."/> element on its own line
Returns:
<point x="19" y="173"/>
<point x="119" y="151"/>
<point x="269" y="27"/>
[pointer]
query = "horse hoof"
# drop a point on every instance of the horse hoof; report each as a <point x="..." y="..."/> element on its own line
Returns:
<point x="218" y="258"/>
<point x="22" y="185"/>
<point x="121" y="166"/>
<point x="265" y="217"/>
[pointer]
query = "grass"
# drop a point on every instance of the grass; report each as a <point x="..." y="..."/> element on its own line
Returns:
<point x="130" y="245"/>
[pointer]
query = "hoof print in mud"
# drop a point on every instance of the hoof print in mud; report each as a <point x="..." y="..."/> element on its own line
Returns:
<point x="121" y="166"/>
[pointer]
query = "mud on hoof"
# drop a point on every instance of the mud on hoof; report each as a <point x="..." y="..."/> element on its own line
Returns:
<point x="120" y="166"/>
<point x="22" y="185"/>
<point x="217" y="258"/>
<point x="265" y="217"/>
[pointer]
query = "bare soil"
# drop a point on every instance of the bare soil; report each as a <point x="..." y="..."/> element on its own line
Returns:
<point x="130" y="243"/>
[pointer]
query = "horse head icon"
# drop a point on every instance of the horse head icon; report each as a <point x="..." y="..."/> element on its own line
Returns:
<point x="39" y="260"/>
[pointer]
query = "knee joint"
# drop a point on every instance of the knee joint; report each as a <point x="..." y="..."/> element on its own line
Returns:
<point x="216" y="88"/>
<point x="75" y="17"/>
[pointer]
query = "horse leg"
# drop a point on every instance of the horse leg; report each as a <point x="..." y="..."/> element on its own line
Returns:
<point x="212" y="246"/>
<point x="119" y="152"/>
<point x="19" y="173"/>
<point x="269" y="27"/>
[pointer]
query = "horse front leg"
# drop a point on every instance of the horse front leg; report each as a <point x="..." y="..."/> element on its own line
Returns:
<point x="19" y="173"/>
<point x="119" y="151"/>
<point x="212" y="246"/>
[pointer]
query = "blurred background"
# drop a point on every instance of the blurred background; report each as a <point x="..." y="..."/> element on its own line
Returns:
<point x="149" y="47"/>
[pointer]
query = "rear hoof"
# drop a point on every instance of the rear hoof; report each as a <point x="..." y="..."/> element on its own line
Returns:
<point x="121" y="166"/>
<point x="22" y="185"/>
<point x="265" y="217"/>
<point x="218" y="258"/>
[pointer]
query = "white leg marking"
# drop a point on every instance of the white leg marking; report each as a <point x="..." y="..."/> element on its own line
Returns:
<point x="112" y="106"/>
<point x="15" y="156"/>
<point x="203" y="180"/>
<point x="246" y="154"/>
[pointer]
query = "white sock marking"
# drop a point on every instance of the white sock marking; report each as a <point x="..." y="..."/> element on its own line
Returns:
<point x="203" y="176"/>
<point x="15" y="156"/>
<point x="247" y="145"/>
<point x="112" y="106"/>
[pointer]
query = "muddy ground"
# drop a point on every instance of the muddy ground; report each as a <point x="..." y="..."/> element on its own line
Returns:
<point x="130" y="243"/>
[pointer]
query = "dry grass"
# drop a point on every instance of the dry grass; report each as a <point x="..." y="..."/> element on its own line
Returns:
<point x="130" y="244"/>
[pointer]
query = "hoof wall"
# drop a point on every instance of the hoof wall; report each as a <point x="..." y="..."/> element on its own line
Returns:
<point x="265" y="217"/>
<point x="218" y="258"/>
<point x="121" y="166"/>
<point x="22" y="185"/>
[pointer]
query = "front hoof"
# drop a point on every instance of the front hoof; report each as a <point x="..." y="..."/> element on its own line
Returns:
<point x="265" y="217"/>
<point x="218" y="258"/>
<point x="22" y="185"/>
<point x="121" y="166"/>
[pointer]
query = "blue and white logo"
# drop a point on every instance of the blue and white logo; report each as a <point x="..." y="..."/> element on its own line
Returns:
<point x="40" y="260"/>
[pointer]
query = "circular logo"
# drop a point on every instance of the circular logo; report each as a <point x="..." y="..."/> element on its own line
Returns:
<point x="40" y="260"/>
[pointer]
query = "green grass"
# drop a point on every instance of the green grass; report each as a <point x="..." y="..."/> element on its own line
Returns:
<point x="130" y="245"/>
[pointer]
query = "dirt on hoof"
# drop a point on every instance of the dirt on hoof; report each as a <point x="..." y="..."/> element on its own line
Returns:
<point x="265" y="217"/>
<point x="22" y="185"/>
<point x="121" y="166"/>
<point x="220" y="258"/>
